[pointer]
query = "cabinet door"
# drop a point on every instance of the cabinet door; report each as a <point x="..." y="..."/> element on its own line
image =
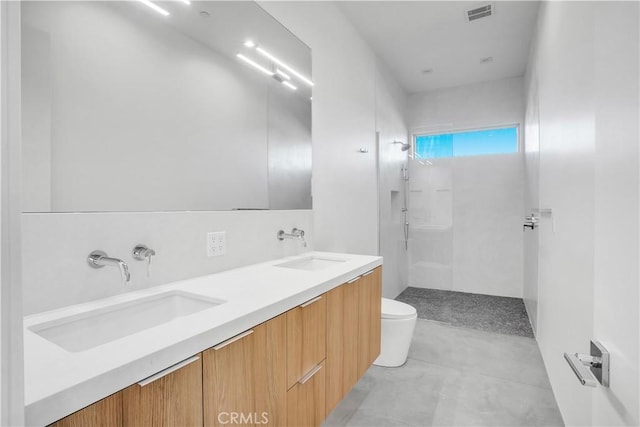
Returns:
<point x="229" y="381"/>
<point x="245" y="378"/>
<point x="170" y="398"/>
<point x="342" y="342"/>
<point x="271" y="372"/>
<point x="306" y="399"/>
<point x="306" y="338"/>
<point x="104" y="413"/>
<point x="369" y="318"/>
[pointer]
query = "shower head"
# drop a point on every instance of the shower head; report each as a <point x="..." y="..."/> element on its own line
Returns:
<point x="404" y="146"/>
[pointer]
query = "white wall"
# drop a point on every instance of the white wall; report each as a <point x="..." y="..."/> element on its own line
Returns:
<point x="585" y="58"/>
<point x="467" y="212"/>
<point x="390" y="125"/>
<point x="62" y="242"/>
<point x="11" y="331"/>
<point x="345" y="195"/>
<point x="616" y="277"/>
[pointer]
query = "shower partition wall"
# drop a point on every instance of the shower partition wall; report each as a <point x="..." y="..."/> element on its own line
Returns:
<point x="466" y="214"/>
<point x="431" y="224"/>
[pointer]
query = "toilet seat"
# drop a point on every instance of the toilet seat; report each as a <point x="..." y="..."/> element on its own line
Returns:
<point x="392" y="309"/>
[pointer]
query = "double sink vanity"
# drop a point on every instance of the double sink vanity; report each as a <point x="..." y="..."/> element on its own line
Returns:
<point x="275" y="343"/>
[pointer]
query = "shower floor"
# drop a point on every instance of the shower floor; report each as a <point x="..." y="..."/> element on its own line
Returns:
<point x="487" y="313"/>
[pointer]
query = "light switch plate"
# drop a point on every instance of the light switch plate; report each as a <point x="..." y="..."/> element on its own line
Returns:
<point x="217" y="243"/>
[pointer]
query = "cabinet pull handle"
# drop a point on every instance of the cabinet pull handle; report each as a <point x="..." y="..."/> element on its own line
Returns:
<point x="368" y="272"/>
<point x="311" y="301"/>
<point x="234" y="339"/>
<point x="310" y="374"/>
<point x="353" y="280"/>
<point x="167" y="371"/>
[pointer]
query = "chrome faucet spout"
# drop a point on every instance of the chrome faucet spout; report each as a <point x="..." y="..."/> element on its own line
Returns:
<point x="98" y="259"/>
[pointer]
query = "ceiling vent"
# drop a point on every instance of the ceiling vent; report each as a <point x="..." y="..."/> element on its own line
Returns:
<point x="483" y="11"/>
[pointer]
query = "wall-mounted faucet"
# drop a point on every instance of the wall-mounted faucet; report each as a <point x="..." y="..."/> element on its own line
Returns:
<point x="296" y="234"/>
<point x="98" y="259"/>
<point x="143" y="253"/>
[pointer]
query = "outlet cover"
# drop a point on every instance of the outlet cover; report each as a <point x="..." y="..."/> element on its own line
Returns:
<point x="217" y="243"/>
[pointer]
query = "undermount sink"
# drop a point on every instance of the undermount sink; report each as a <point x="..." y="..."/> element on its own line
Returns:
<point x="311" y="263"/>
<point x="84" y="331"/>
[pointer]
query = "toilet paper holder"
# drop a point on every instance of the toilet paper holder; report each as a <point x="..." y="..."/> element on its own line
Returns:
<point x="588" y="366"/>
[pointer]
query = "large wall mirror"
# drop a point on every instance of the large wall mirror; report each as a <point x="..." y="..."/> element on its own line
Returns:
<point x="186" y="106"/>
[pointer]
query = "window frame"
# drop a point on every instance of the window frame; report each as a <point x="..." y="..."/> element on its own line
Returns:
<point x="416" y="133"/>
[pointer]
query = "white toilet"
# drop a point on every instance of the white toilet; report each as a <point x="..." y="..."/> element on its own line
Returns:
<point x="398" y="322"/>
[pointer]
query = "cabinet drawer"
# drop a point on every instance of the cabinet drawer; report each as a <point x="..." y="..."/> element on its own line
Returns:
<point x="306" y="338"/>
<point x="306" y="399"/>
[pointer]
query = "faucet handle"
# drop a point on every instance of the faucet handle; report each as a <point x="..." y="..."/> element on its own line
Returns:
<point x="95" y="259"/>
<point x="143" y="252"/>
<point x="298" y="232"/>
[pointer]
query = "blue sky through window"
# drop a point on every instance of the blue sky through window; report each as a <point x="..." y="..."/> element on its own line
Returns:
<point x="471" y="143"/>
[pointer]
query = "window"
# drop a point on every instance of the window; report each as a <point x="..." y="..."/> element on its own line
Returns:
<point x="468" y="143"/>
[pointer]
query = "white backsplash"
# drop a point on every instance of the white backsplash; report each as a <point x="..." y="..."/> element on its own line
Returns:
<point x="55" y="249"/>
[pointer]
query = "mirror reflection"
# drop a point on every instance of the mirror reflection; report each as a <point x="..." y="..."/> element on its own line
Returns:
<point x="126" y="108"/>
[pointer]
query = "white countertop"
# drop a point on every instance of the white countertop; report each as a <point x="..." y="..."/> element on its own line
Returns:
<point x="59" y="382"/>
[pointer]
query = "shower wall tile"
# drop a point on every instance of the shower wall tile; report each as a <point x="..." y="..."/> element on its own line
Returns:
<point x="488" y="210"/>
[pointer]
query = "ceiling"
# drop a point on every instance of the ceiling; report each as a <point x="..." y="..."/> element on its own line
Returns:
<point x="412" y="36"/>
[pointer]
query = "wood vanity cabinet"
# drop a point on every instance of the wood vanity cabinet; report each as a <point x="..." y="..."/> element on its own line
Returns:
<point x="172" y="397"/>
<point x="342" y="342"/>
<point x="306" y="352"/>
<point x="353" y="333"/>
<point x="244" y="378"/>
<point x="369" y="318"/>
<point x="291" y="370"/>
<point x="169" y="398"/>
<point x="306" y="399"/>
<point x="306" y="338"/>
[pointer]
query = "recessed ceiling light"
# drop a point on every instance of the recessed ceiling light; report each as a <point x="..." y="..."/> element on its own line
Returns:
<point x="427" y="71"/>
<point x="486" y="59"/>
<point x="249" y="43"/>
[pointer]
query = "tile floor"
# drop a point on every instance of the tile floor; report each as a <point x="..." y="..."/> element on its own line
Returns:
<point x="484" y="312"/>
<point x="455" y="377"/>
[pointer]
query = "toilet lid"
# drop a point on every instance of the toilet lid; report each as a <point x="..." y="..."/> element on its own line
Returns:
<point x="392" y="309"/>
